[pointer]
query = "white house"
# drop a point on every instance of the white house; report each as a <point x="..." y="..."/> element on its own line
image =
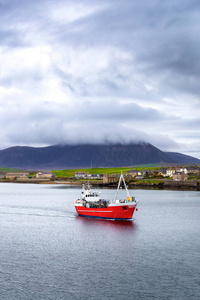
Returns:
<point x="170" y="172"/>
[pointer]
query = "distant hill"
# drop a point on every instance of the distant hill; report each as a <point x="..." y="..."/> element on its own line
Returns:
<point x="86" y="156"/>
<point x="183" y="159"/>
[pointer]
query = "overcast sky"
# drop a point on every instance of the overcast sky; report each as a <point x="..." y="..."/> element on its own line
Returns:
<point x="100" y="71"/>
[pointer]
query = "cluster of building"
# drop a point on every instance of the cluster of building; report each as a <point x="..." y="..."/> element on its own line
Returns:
<point x="83" y="175"/>
<point x="176" y="173"/>
<point x="26" y="175"/>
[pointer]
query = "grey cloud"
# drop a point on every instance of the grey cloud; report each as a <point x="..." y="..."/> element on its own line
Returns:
<point x="112" y="110"/>
<point x="100" y="121"/>
<point x="158" y="38"/>
<point x="10" y="38"/>
<point x="110" y="72"/>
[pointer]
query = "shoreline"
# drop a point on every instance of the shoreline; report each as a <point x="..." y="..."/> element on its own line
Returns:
<point x="152" y="184"/>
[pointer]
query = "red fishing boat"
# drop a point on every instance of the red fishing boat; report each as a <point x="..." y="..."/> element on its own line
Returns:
<point x="91" y="205"/>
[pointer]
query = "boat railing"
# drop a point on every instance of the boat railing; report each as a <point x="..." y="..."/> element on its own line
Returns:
<point x="127" y="200"/>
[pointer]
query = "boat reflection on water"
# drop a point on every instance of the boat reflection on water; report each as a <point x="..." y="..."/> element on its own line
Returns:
<point x="105" y="223"/>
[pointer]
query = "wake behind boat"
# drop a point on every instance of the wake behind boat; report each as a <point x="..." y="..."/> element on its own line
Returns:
<point x="91" y="205"/>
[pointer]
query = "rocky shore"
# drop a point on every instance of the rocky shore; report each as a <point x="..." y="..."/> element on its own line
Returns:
<point x="156" y="184"/>
<point x="163" y="184"/>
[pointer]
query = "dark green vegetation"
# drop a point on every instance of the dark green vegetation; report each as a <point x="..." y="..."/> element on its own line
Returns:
<point x="71" y="172"/>
<point x="5" y="170"/>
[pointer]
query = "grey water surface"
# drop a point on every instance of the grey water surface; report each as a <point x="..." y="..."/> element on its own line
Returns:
<point x="48" y="252"/>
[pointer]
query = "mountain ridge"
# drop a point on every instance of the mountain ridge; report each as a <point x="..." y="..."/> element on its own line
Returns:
<point x="87" y="155"/>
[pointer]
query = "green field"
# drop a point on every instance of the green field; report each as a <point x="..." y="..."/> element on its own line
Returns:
<point x="71" y="172"/>
<point x="10" y="170"/>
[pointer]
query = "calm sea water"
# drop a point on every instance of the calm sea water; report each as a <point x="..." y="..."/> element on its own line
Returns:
<point x="48" y="252"/>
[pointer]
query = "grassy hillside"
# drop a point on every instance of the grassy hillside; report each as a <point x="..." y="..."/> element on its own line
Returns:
<point x="71" y="172"/>
<point x="10" y="170"/>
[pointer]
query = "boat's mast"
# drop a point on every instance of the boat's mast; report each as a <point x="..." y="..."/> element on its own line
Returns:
<point x="118" y="188"/>
<point x="128" y="195"/>
<point x="121" y="178"/>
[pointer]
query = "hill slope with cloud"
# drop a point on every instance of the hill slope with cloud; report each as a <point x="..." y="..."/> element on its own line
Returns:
<point x="86" y="156"/>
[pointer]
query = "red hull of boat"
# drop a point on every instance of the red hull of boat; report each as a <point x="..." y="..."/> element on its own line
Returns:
<point x="111" y="212"/>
